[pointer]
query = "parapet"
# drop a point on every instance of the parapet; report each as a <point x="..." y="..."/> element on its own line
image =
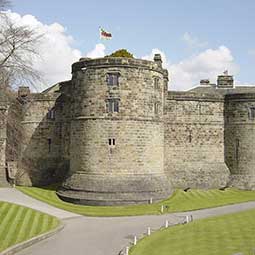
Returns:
<point x="189" y="96"/>
<point x="119" y="62"/>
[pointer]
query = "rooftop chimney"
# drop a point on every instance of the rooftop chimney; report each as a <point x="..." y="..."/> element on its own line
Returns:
<point x="225" y="81"/>
<point x="158" y="60"/>
<point x="23" y="91"/>
<point x="204" y="82"/>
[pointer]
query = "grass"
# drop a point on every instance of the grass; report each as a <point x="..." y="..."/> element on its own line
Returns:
<point x="225" y="235"/>
<point x="179" y="201"/>
<point x="19" y="223"/>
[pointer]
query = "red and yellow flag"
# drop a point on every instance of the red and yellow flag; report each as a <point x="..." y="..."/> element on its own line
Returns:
<point x="104" y="34"/>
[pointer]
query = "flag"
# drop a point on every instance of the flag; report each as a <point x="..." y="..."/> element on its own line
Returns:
<point x="225" y="72"/>
<point x="104" y="34"/>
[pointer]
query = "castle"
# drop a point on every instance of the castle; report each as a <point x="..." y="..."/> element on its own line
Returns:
<point x="114" y="134"/>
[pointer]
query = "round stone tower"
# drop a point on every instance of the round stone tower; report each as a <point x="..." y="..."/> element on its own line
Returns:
<point x="117" y="132"/>
<point x="239" y="139"/>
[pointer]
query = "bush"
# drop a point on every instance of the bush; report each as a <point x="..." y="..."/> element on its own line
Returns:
<point x="121" y="53"/>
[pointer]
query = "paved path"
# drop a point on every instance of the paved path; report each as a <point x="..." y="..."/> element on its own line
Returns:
<point x="106" y="236"/>
<point x="15" y="196"/>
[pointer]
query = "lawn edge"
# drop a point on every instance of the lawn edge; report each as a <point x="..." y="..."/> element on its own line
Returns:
<point x="20" y="246"/>
<point x="135" y="215"/>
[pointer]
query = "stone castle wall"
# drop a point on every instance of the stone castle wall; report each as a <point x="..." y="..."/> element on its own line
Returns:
<point x="239" y="139"/>
<point x="132" y="168"/>
<point x="41" y="141"/>
<point x="194" y="140"/>
<point x="154" y="140"/>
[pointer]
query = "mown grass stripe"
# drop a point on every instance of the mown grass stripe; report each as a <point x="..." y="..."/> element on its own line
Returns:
<point x="23" y="233"/>
<point x="11" y="233"/>
<point x="16" y="224"/>
<point x="224" y="235"/>
<point x="4" y="226"/>
<point x="21" y="227"/>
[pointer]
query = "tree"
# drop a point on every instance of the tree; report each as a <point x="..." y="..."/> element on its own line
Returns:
<point x="122" y="53"/>
<point x="18" y="50"/>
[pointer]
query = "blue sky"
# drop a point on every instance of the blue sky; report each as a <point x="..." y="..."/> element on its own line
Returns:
<point x="182" y="30"/>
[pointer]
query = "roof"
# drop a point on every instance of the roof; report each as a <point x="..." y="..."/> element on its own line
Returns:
<point x="213" y="89"/>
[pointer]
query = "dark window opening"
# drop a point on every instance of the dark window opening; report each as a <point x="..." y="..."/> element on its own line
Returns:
<point x="113" y="79"/>
<point x="237" y="149"/>
<point x="190" y="137"/>
<point x="252" y="113"/>
<point x="49" y="145"/>
<point x="113" y="105"/>
<point x="51" y="114"/>
<point x="156" y="108"/>
<point x="156" y="83"/>
<point x="112" y="141"/>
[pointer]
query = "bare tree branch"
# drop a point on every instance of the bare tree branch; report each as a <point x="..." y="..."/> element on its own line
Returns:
<point x="18" y="50"/>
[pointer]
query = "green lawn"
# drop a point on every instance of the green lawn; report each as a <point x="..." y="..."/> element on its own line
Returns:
<point x="19" y="223"/>
<point x="223" y="235"/>
<point x="179" y="201"/>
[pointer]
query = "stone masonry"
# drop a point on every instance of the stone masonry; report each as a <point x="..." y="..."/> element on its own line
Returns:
<point x="114" y="134"/>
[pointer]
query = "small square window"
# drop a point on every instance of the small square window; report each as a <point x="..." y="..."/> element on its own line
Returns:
<point x="112" y="79"/>
<point x="111" y="142"/>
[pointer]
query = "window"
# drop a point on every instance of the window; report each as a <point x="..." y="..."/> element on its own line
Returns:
<point x="113" y="105"/>
<point x="49" y="145"/>
<point x="111" y="142"/>
<point x="51" y="114"/>
<point x="237" y="149"/>
<point x="156" y="83"/>
<point x="156" y="108"/>
<point x="190" y="136"/>
<point x="112" y="79"/>
<point x="252" y="113"/>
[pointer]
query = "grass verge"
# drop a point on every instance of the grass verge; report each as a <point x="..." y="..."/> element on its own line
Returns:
<point x="179" y="201"/>
<point x="225" y="235"/>
<point x="19" y="223"/>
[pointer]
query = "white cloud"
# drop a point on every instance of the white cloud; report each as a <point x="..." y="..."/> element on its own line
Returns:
<point x="252" y="52"/>
<point x="165" y="62"/>
<point x="192" y="41"/>
<point x="56" y="50"/>
<point x="97" y="52"/>
<point x="205" y="65"/>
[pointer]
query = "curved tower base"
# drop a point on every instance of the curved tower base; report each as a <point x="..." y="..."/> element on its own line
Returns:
<point x="101" y="190"/>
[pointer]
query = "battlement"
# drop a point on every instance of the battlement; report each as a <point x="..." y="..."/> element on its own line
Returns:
<point x="119" y="62"/>
<point x="192" y="96"/>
